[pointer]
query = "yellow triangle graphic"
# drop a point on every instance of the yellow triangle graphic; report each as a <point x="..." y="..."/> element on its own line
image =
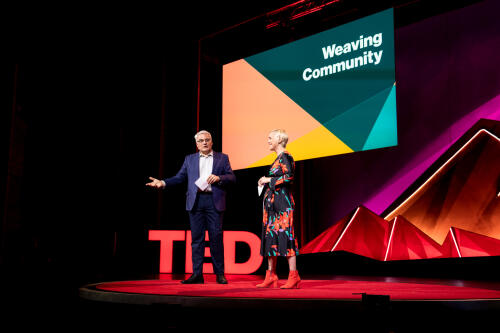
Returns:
<point x="320" y="142"/>
<point x="264" y="161"/>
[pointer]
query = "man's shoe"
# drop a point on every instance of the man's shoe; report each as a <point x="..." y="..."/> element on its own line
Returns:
<point x="194" y="279"/>
<point x="221" y="279"/>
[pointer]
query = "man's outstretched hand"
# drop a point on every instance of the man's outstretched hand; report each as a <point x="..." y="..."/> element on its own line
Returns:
<point x="156" y="183"/>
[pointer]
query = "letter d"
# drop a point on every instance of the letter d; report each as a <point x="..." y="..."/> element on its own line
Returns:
<point x="255" y="260"/>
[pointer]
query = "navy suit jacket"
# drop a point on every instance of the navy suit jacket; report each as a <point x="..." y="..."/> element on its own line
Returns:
<point x="190" y="172"/>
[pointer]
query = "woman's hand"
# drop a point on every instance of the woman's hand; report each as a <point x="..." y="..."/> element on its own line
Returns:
<point x="264" y="180"/>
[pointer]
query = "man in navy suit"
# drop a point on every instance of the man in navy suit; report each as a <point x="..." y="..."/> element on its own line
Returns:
<point x="206" y="173"/>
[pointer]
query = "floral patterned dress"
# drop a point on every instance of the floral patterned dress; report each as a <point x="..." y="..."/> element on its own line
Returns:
<point x="278" y="237"/>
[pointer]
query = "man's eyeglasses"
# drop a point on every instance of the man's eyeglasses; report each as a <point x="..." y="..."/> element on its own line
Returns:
<point x="203" y="140"/>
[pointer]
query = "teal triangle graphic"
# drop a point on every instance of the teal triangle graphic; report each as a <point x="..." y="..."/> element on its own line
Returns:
<point x="332" y="95"/>
<point x="384" y="131"/>
<point x="354" y="126"/>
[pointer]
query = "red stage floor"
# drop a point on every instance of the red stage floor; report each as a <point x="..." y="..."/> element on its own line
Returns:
<point x="394" y="304"/>
<point x="334" y="289"/>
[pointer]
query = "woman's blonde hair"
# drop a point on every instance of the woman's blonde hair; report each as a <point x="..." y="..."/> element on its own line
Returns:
<point x="282" y="136"/>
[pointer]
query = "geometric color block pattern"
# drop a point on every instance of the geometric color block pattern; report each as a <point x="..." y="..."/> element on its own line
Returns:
<point x="346" y="111"/>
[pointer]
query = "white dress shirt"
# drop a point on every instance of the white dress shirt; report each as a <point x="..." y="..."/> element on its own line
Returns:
<point x="206" y="165"/>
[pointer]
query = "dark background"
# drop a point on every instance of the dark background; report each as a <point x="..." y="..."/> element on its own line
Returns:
<point x="105" y="98"/>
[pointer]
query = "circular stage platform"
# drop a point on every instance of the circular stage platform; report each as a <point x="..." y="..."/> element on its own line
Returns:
<point x="392" y="300"/>
<point x="166" y="289"/>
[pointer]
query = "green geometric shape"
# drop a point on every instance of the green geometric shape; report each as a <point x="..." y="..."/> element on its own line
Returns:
<point x="384" y="131"/>
<point x="332" y="95"/>
<point x="354" y="125"/>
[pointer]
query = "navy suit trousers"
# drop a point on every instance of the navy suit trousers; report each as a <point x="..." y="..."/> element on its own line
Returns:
<point x="205" y="217"/>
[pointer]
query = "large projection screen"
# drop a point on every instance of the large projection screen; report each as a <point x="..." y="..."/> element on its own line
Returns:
<point x="333" y="92"/>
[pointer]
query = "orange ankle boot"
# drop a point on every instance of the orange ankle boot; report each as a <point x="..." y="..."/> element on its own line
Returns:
<point x="271" y="279"/>
<point x="293" y="281"/>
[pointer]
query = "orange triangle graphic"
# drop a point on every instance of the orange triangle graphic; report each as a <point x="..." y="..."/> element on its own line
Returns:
<point x="252" y="107"/>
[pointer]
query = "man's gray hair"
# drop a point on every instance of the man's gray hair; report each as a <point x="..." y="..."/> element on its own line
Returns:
<point x="202" y="132"/>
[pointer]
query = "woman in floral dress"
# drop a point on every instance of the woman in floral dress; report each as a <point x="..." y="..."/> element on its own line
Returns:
<point x="278" y="237"/>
